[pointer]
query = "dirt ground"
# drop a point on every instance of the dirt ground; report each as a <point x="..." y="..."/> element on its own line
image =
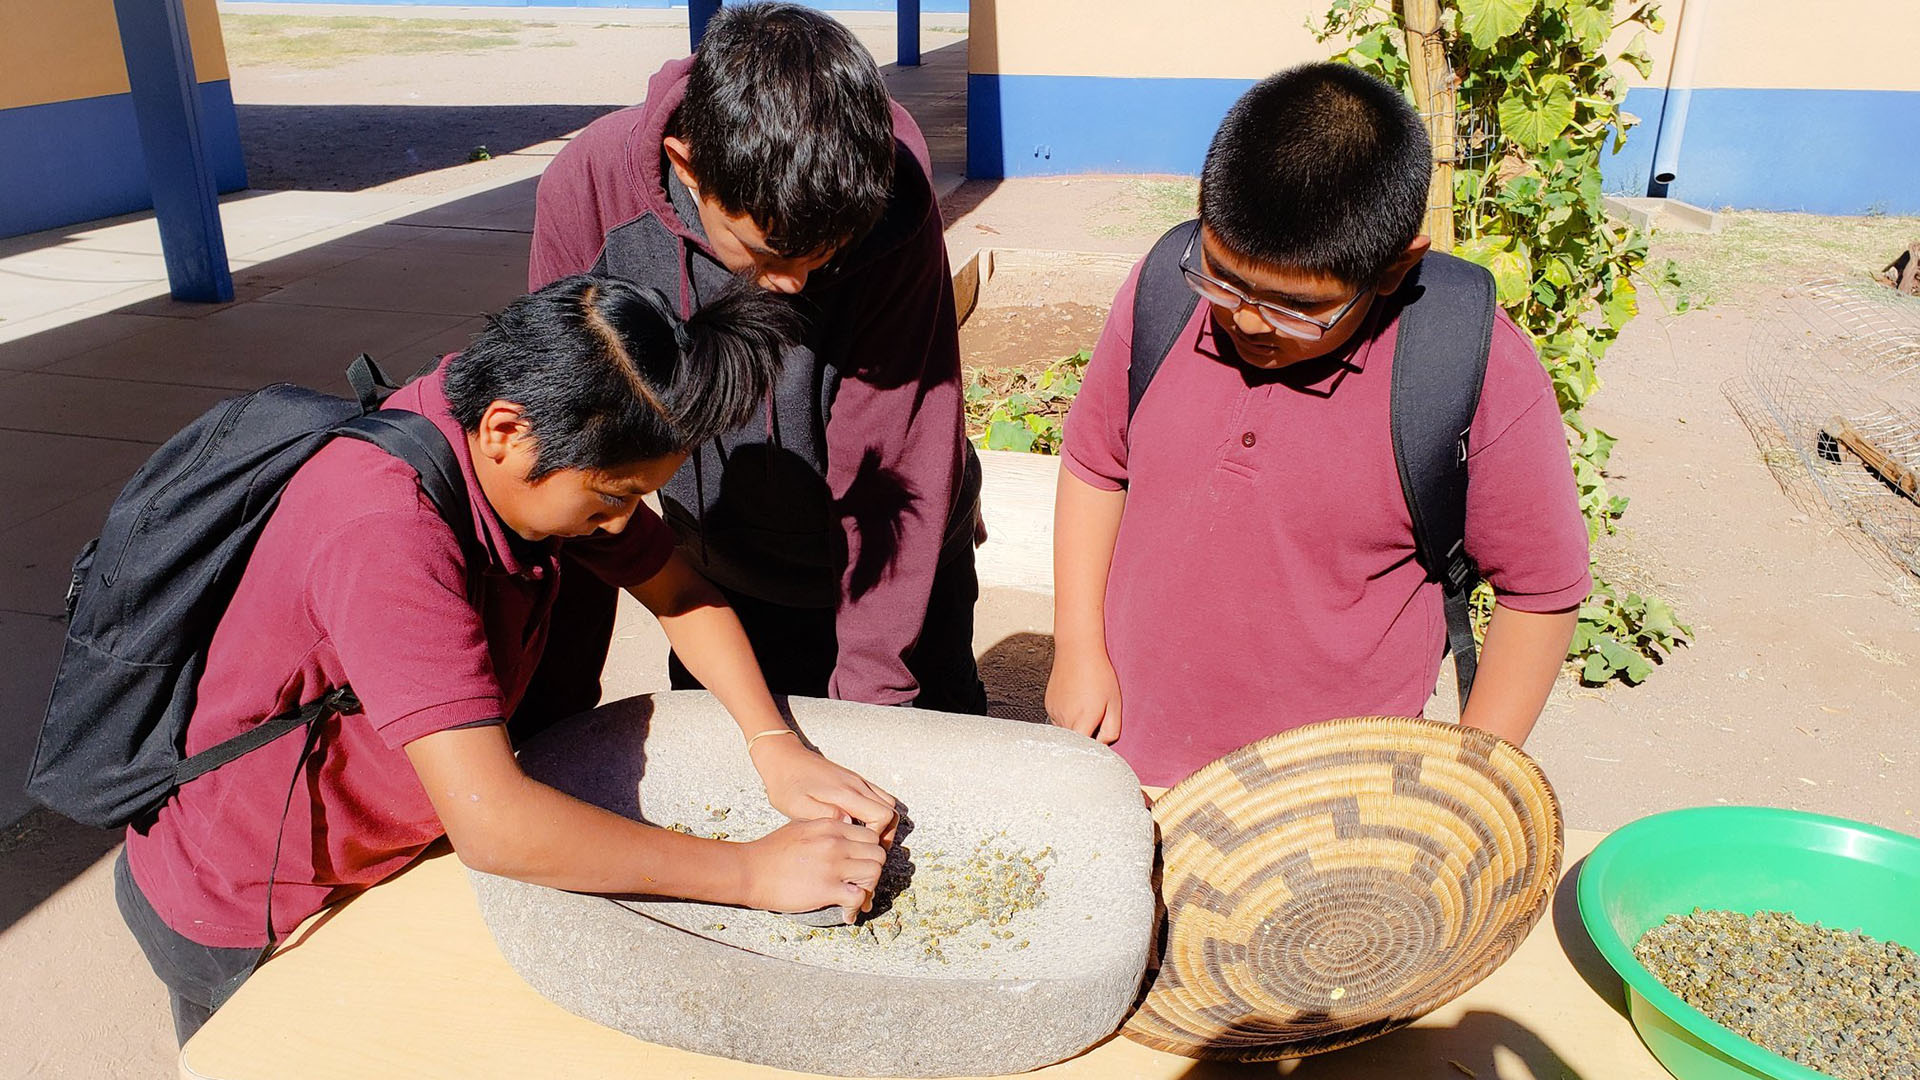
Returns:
<point x="1800" y="689"/>
<point x="350" y="101"/>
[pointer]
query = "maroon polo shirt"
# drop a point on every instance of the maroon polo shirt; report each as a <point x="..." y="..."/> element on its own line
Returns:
<point x="1264" y="574"/>
<point x="355" y="579"/>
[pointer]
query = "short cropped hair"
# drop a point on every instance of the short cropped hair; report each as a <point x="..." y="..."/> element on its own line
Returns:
<point x="606" y="374"/>
<point x="1320" y="168"/>
<point x="788" y="122"/>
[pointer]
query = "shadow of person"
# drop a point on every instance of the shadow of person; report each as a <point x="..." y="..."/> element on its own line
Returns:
<point x="1481" y="1045"/>
<point x="1015" y="670"/>
<point x="770" y="502"/>
<point x="878" y="501"/>
<point x="614" y="783"/>
<point x="40" y="854"/>
<point x="354" y="147"/>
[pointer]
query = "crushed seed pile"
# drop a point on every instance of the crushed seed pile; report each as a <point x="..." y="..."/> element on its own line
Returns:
<point x="945" y="908"/>
<point x="948" y="903"/>
<point x="1833" y="1000"/>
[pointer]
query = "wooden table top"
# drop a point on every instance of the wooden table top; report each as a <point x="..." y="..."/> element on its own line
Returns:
<point x="405" y="981"/>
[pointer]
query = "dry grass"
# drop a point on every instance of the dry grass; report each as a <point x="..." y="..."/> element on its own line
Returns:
<point x="1759" y="249"/>
<point x="321" y="41"/>
<point x="1146" y="208"/>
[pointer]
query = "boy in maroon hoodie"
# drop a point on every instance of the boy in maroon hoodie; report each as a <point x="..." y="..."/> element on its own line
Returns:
<point x="840" y="522"/>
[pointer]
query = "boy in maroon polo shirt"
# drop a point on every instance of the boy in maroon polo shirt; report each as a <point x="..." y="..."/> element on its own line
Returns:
<point x="573" y="404"/>
<point x="839" y="520"/>
<point x="1237" y="559"/>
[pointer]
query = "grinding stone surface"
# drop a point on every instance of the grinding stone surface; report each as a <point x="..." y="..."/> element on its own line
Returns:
<point x="1055" y="979"/>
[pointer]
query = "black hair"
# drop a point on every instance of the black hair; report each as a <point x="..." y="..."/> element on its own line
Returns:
<point x="606" y="374"/>
<point x="1321" y="168"/>
<point x="787" y="121"/>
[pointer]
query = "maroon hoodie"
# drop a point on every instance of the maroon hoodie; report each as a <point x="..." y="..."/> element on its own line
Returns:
<point x="858" y="480"/>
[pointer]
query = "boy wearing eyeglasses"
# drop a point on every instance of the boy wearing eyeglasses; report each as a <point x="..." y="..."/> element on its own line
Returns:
<point x="1236" y="557"/>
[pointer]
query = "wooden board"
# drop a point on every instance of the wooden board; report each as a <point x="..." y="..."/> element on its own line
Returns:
<point x="1883" y="464"/>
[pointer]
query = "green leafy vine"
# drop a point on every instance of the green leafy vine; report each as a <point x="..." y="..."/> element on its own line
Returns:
<point x="1538" y="99"/>
<point x="1016" y="409"/>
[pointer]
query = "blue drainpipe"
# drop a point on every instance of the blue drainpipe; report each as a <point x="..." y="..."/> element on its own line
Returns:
<point x="1678" y="98"/>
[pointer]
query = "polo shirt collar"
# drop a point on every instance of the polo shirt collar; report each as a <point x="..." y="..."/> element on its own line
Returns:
<point x="1322" y="374"/>
<point x="506" y="552"/>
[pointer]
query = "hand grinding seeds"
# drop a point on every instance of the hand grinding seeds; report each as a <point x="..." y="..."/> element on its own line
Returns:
<point x="933" y="901"/>
<point x="942" y="900"/>
<point x="1832" y="1000"/>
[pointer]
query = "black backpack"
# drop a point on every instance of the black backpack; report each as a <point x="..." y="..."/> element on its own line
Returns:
<point x="1439" y="365"/>
<point x="147" y="594"/>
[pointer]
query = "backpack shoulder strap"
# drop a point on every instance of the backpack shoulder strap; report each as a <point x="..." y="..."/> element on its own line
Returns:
<point x="370" y="384"/>
<point x="417" y="441"/>
<point x="1162" y="304"/>
<point x="1439" y="365"/>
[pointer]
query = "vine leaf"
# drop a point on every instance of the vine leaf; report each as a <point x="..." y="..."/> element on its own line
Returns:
<point x="1636" y="54"/>
<point x="1009" y="435"/>
<point x="1487" y="21"/>
<point x="1535" y="119"/>
<point x="1591" y="22"/>
<point x="1623" y="305"/>
<point x="1512" y="270"/>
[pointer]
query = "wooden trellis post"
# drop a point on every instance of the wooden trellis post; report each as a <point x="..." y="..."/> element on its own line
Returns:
<point x="1433" y="95"/>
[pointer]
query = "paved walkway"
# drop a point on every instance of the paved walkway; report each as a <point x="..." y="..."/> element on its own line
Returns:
<point x="98" y="366"/>
<point x="105" y="371"/>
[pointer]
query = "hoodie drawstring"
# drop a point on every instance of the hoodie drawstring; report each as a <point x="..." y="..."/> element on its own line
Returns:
<point x="700" y="503"/>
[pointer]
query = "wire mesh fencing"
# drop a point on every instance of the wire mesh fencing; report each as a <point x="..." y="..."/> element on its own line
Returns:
<point x="1832" y="397"/>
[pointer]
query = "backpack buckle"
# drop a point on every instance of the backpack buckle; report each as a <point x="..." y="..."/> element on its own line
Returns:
<point x="1458" y="574"/>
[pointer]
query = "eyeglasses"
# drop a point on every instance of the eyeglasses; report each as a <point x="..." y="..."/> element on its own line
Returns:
<point x="1283" y="320"/>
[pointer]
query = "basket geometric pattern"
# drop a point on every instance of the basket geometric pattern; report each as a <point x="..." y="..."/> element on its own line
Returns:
<point x="1338" y="881"/>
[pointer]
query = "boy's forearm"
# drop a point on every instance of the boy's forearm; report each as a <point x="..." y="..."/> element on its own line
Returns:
<point x="502" y="822"/>
<point x="1086" y="522"/>
<point x="1519" y="662"/>
<point x="582" y="848"/>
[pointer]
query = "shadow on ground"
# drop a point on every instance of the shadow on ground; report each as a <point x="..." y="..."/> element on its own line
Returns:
<point x="354" y="147"/>
<point x="1015" y="671"/>
<point x="1471" y="1047"/>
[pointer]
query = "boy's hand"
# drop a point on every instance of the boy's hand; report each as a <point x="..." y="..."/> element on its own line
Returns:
<point x="1083" y="695"/>
<point x="807" y="865"/>
<point x="803" y="785"/>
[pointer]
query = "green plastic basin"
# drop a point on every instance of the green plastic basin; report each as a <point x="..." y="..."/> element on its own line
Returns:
<point x="1843" y="874"/>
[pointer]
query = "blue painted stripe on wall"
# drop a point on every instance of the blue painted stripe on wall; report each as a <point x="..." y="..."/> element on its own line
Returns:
<point x="73" y="161"/>
<point x="1816" y="151"/>
<point x="926" y="6"/>
<point x="1044" y="125"/>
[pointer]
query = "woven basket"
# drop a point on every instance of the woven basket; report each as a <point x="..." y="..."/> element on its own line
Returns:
<point x="1338" y="881"/>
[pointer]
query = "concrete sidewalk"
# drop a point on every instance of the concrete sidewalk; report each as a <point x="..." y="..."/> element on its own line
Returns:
<point x="97" y="371"/>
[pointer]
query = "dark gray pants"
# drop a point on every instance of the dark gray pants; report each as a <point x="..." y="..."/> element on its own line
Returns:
<point x="797" y="648"/>
<point x="196" y="975"/>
